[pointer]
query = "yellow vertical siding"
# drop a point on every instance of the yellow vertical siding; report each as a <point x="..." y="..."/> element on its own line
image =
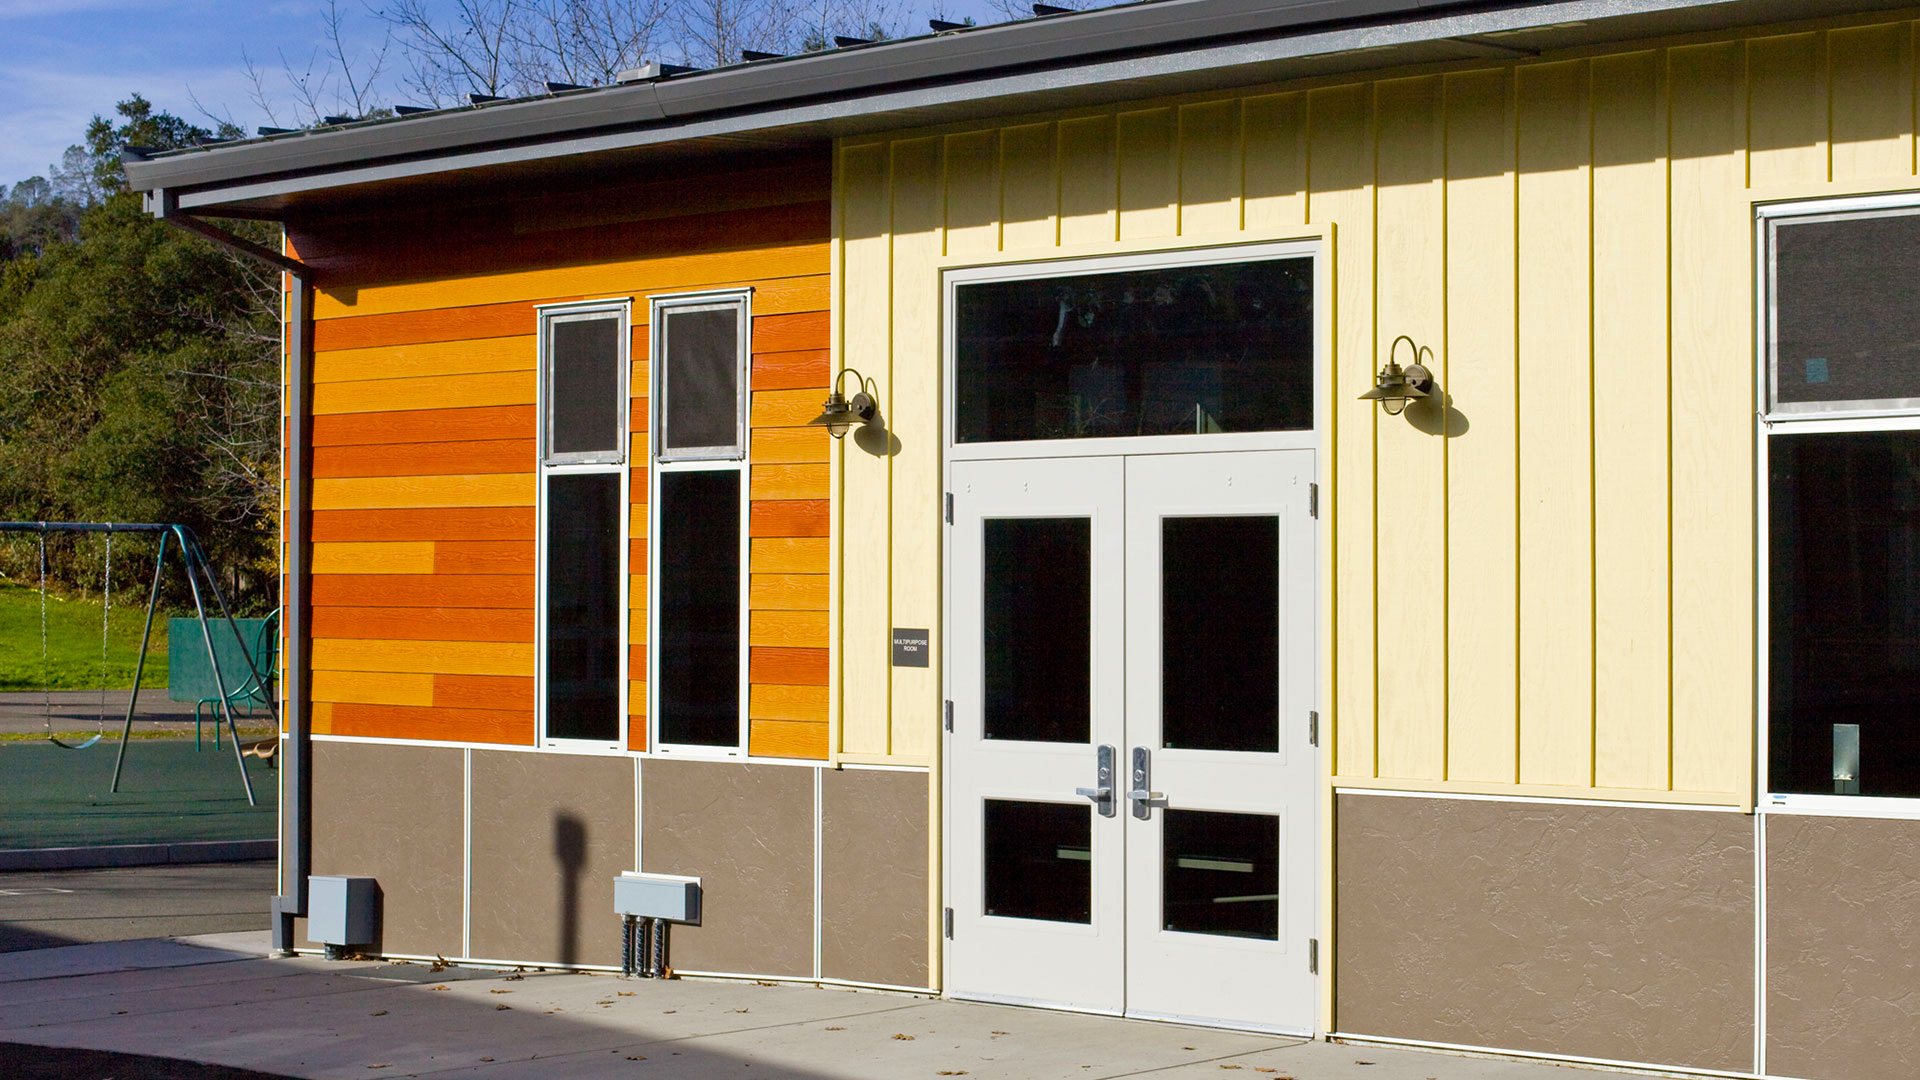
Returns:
<point x="1548" y="586"/>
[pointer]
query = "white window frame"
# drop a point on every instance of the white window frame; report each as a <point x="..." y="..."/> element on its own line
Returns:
<point x="703" y="459"/>
<point x="1804" y="418"/>
<point x="596" y="462"/>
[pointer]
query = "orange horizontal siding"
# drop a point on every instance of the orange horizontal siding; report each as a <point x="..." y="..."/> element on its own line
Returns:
<point x="790" y="517"/>
<point x="423" y="624"/>
<point x="432" y="523"/>
<point x="499" y="692"/>
<point x="424" y="590"/>
<point x="789" y="666"/>
<point x="425" y="459"/>
<point x="791" y="333"/>
<point x="787" y="739"/>
<point x="805" y="368"/>
<point x="483" y="557"/>
<point x="407" y="425"/>
<point x="509" y="727"/>
<point x="794" y="445"/>
<point x="421" y="327"/>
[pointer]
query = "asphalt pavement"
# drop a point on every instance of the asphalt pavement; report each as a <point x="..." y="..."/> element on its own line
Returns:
<point x="69" y="907"/>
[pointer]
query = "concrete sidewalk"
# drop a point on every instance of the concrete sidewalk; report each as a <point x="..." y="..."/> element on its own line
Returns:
<point x="217" y="999"/>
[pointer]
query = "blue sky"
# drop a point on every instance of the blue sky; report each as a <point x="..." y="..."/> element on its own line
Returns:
<point x="70" y="59"/>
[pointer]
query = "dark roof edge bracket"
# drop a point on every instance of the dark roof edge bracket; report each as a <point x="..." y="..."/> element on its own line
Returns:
<point x="165" y="205"/>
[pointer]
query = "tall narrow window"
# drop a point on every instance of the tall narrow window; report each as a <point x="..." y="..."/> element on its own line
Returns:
<point x="583" y="447"/>
<point x="1842" y="490"/>
<point x="700" y="346"/>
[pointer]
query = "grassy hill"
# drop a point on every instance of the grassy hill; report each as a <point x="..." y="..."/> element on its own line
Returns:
<point x="73" y="642"/>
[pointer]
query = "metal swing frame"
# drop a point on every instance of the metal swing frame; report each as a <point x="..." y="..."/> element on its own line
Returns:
<point x="199" y="568"/>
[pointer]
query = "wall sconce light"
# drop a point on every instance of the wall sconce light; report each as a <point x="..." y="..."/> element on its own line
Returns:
<point x="1396" y="386"/>
<point x="838" y="414"/>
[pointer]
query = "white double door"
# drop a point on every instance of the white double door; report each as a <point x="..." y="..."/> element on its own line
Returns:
<point x="1131" y="777"/>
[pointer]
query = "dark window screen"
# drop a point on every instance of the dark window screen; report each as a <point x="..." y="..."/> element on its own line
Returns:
<point x="583" y="606"/>
<point x="1844" y="624"/>
<point x="1038" y="629"/>
<point x="703" y="379"/>
<point x="699" y="593"/>
<point x="583" y="398"/>
<point x="1845" y="294"/>
<point x="1220" y="633"/>
<point x="1176" y="351"/>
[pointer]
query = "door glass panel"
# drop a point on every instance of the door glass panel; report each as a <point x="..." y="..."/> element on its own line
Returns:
<point x="1221" y="874"/>
<point x="702" y="385"/>
<point x="1220" y="633"/>
<point x="1038" y="629"/>
<point x="1039" y="861"/>
<point x="1152" y="351"/>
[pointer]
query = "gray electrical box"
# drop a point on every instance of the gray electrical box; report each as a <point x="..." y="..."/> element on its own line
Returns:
<point x="343" y="910"/>
<point x="657" y="896"/>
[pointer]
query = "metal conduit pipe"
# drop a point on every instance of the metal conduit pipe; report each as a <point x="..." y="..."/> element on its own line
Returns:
<point x="296" y="775"/>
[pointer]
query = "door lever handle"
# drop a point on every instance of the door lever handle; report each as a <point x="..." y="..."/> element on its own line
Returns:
<point x="1102" y="791"/>
<point x="1145" y="796"/>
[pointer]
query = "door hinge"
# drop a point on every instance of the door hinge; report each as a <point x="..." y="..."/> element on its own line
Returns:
<point x="947" y="714"/>
<point x="1313" y="500"/>
<point x="946" y="922"/>
<point x="949" y="507"/>
<point x="1313" y="728"/>
<point x="1313" y="954"/>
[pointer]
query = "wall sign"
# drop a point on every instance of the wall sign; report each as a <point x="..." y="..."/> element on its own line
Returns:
<point x="910" y="647"/>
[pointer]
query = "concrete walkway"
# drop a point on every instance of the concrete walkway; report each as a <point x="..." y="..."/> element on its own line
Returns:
<point x="217" y="999"/>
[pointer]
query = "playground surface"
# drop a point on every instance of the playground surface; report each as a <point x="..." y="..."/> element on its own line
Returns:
<point x="169" y="794"/>
<point x="218" y="999"/>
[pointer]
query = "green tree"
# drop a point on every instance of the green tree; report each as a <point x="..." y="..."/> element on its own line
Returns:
<point x="139" y="375"/>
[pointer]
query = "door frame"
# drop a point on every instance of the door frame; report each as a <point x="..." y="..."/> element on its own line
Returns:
<point x="1315" y="247"/>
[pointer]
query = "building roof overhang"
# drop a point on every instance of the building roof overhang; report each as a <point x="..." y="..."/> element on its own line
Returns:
<point x="1145" y="49"/>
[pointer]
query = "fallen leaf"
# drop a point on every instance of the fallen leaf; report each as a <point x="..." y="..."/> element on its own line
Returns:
<point x="996" y="1033"/>
<point x="439" y="963"/>
<point x="635" y="1057"/>
<point x="603" y="1003"/>
<point x="952" y="1072"/>
<point x="762" y="982"/>
<point x="501" y="1008"/>
<point x="1359" y="1062"/>
<point x="499" y="991"/>
<point x="437" y="988"/>
<point x="380" y="1066"/>
<point x="486" y="1059"/>
<point x="1233" y="1066"/>
<point x="836" y="1029"/>
<point x="515" y="978"/>
<point x="739" y="1010"/>
<point x="624" y="993"/>
<point x="382" y="1012"/>
<point x="669" y="1012"/>
<point x="903" y="1037"/>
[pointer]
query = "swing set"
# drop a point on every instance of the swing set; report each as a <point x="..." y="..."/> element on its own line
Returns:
<point x="199" y="569"/>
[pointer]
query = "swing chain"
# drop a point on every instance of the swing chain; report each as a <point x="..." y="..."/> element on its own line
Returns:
<point x="106" y="606"/>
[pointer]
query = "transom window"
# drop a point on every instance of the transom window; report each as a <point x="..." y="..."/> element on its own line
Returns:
<point x="1206" y="347"/>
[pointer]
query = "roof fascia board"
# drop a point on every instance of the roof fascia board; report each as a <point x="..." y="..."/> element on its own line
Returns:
<point x="981" y="92"/>
<point x="1138" y="27"/>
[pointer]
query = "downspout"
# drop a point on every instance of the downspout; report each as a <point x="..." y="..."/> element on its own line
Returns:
<point x="296" y="777"/>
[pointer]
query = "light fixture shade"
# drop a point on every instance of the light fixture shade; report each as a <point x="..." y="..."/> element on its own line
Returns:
<point x="1396" y="386"/>
<point x="837" y="414"/>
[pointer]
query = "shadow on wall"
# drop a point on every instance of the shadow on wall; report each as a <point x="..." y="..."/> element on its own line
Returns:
<point x="1435" y="415"/>
<point x="570" y="851"/>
